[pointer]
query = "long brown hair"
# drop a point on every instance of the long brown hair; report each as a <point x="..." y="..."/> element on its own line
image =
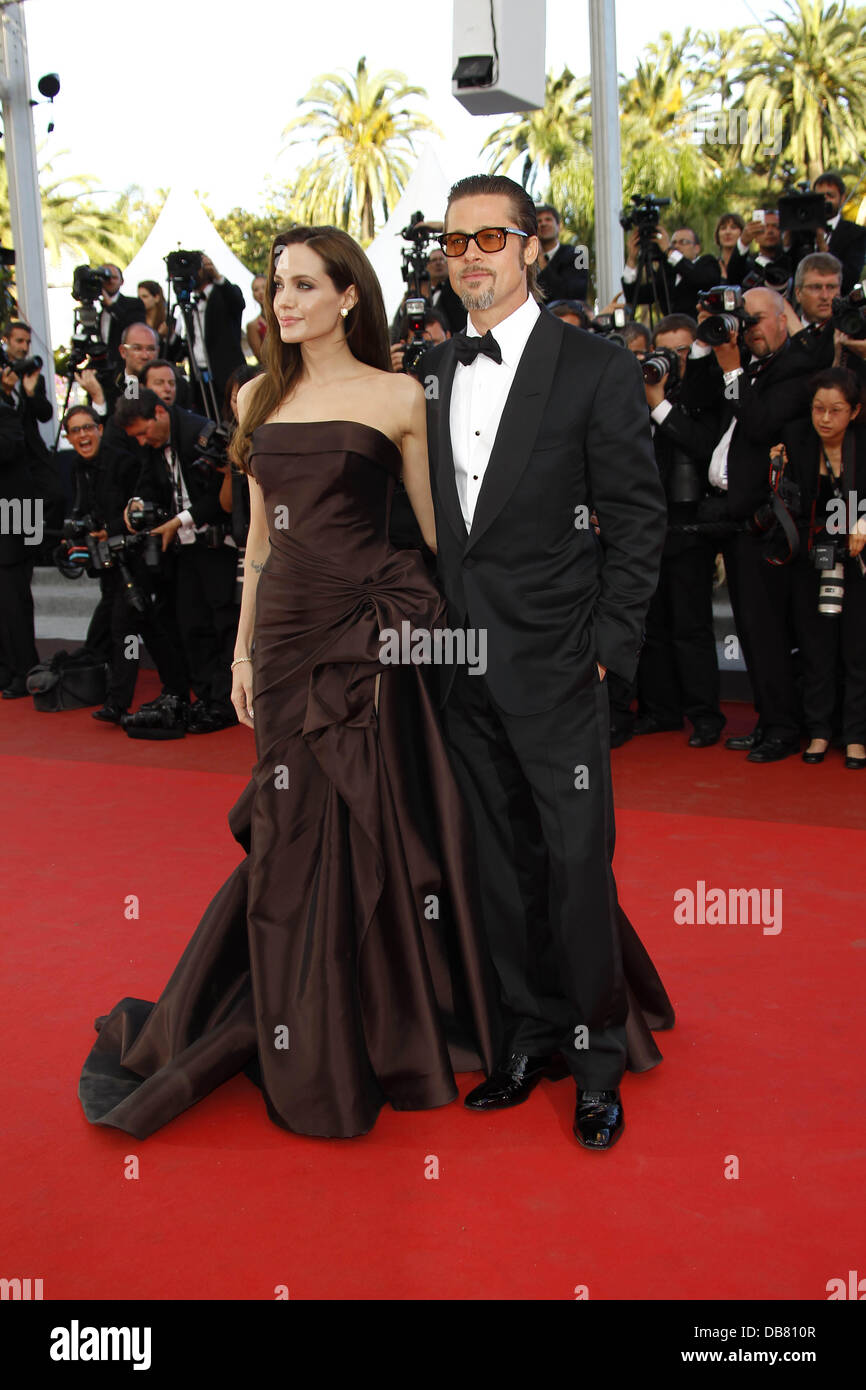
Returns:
<point x="156" y="314"/>
<point x="366" y="325"/>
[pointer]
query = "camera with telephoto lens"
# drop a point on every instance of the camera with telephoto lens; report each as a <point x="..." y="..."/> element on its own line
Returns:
<point x="771" y="277"/>
<point x="828" y="557"/>
<point x="87" y="344"/>
<point x="644" y="214"/>
<point x="728" y="314"/>
<point x="849" y="313"/>
<point x="82" y="551"/>
<point x="183" y="271"/>
<point x="143" y="516"/>
<point x="21" y="366"/>
<point x="661" y="362"/>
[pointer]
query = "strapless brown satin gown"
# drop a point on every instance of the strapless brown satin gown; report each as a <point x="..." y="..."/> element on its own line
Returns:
<point x="340" y="965"/>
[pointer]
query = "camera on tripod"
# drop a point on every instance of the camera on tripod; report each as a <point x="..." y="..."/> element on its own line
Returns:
<point x="728" y="314"/>
<point x="184" y="268"/>
<point x="87" y="344"/>
<point x="420" y="234"/>
<point x="849" y="313"/>
<point x="644" y="214"/>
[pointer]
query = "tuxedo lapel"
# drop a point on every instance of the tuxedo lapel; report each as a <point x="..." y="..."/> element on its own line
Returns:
<point x="519" y="424"/>
<point x="442" y="452"/>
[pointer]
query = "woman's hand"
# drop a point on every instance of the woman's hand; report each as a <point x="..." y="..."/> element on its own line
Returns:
<point x="242" y="693"/>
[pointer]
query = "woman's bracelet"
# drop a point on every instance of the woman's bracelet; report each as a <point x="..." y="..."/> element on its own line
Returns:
<point x="237" y="661"/>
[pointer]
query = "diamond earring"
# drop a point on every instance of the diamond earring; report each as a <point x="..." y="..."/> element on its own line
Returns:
<point x="344" y="312"/>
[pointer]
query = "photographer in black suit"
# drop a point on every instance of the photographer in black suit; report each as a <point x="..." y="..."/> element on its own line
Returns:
<point x="770" y="259"/>
<point x="188" y="490"/>
<point x="30" y="395"/>
<point x="532" y="424"/>
<point x="21" y="526"/>
<point x="686" y="272"/>
<point x="765" y="385"/>
<point x="559" y="277"/>
<point x="678" y="673"/>
<point x="844" y="240"/>
<point x="105" y="479"/>
<point x="118" y="312"/>
<point x="218" y="308"/>
<point x="139" y="344"/>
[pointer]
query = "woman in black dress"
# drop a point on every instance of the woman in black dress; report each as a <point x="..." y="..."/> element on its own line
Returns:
<point x="827" y="459"/>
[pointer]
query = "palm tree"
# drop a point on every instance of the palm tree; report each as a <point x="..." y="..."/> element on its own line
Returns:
<point x="547" y="137"/>
<point x="364" y="137"/>
<point x="808" y="66"/>
<point x="69" y="221"/>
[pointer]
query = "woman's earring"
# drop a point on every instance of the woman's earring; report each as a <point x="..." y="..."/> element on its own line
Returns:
<point x="344" y="312"/>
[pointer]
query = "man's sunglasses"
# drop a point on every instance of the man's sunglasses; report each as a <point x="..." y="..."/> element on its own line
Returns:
<point x="486" y="239"/>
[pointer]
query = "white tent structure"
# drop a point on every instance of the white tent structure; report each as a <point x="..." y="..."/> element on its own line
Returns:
<point x="183" y="225"/>
<point x="427" y="192"/>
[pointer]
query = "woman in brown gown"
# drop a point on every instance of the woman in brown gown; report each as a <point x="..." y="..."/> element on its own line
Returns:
<point x="341" y="965"/>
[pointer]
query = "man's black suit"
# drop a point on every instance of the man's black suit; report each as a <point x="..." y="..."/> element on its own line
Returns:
<point x="561" y="278"/>
<point x="207" y="613"/>
<point x="126" y="309"/>
<point x="224" y="309"/>
<point x="739" y="266"/>
<point x="530" y="736"/>
<point x="17" y="640"/>
<point x="847" y="242"/>
<point x="684" y="281"/>
<point x="767" y="397"/>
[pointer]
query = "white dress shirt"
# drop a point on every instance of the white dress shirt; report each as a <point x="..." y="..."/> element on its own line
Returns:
<point x="105" y="317"/>
<point x="199" y="306"/>
<point x="187" y="530"/>
<point x="478" y="398"/>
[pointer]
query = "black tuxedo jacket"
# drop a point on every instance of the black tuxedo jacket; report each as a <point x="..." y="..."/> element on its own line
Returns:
<point x="104" y="485"/>
<point x="552" y="596"/>
<point x="203" y="483"/>
<point x="739" y="266"/>
<point x="224" y="309"/>
<point x="687" y="436"/>
<point x="126" y="309"/>
<point x="16" y="482"/>
<point x="684" y="281"/>
<point x="847" y="242"/>
<point x="763" y="405"/>
<point x="560" y="278"/>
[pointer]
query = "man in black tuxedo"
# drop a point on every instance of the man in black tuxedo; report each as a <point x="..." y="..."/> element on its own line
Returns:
<point x="843" y="239"/>
<point x="189" y="491"/>
<point x="559" y="275"/>
<point x="765" y="379"/>
<point x="532" y="424"/>
<point x="441" y="296"/>
<point x="218" y="308"/>
<point x="770" y="259"/>
<point x="20" y="532"/>
<point x="685" y="272"/>
<point x="118" y="312"/>
<point x="30" y="395"/>
<point x="139" y="344"/>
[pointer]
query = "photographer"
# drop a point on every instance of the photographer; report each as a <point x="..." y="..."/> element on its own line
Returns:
<point x="28" y="392"/>
<point x="684" y="270"/>
<point x="558" y="276"/>
<point x="218" y="308"/>
<point x="843" y="239"/>
<point x="118" y="312"/>
<point x="572" y="311"/>
<point x="817" y="282"/>
<point x="176" y="479"/>
<point x="104" y="479"/>
<point x="826" y="457"/>
<point x="435" y="330"/>
<point x="139" y="345"/>
<point x="771" y="260"/>
<point x="17" y="634"/>
<point x="438" y="291"/>
<point x="765" y="386"/>
<point x="678" y="673"/>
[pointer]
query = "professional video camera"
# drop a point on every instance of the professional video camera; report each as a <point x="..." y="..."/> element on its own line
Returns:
<point x="661" y="362"/>
<point x="728" y="314"/>
<point x="804" y="212"/>
<point x="420" y="235"/>
<point x="644" y="215"/>
<point x="183" y="269"/>
<point x="849" y="313"/>
<point x="87" y="344"/>
<point x="212" y="445"/>
<point x="21" y="366"/>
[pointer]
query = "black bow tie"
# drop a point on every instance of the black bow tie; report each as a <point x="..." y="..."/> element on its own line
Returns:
<point x="467" y="349"/>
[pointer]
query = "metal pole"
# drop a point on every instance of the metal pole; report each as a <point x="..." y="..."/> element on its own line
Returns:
<point x="25" y="207"/>
<point x="606" y="167"/>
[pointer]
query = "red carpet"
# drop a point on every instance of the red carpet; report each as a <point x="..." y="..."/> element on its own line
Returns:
<point x="765" y="1063"/>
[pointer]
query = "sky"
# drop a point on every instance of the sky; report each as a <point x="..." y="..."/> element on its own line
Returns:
<point x="218" y="81"/>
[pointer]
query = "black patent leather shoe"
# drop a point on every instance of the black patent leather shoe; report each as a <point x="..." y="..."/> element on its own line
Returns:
<point x="744" y="743"/>
<point x="598" y="1119"/>
<point x="772" y="750"/>
<point x="109" y="714"/>
<point x="513" y="1081"/>
<point x="815" y="757"/>
<point x="209" y="719"/>
<point x="704" y="738"/>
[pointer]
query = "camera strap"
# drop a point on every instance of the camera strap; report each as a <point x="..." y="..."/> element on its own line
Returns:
<point x="782" y="515"/>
